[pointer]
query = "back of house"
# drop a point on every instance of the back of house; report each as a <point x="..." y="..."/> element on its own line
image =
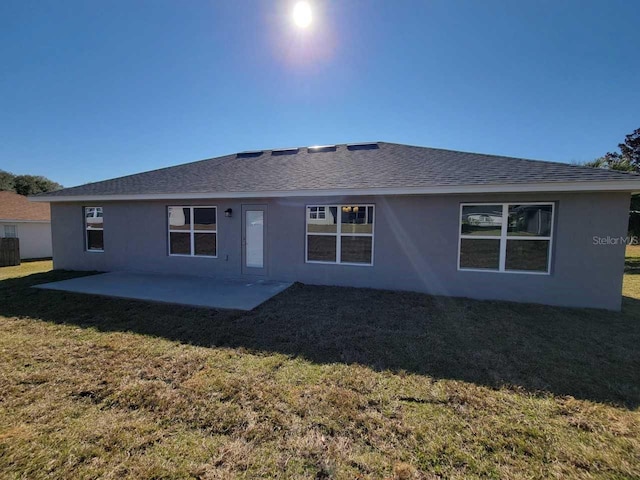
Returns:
<point x="377" y="215"/>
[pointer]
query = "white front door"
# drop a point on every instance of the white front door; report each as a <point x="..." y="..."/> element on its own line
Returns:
<point x="254" y="233"/>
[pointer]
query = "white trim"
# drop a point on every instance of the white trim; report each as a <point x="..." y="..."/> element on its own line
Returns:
<point x="338" y="233"/>
<point x="11" y="220"/>
<point x="503" y="238"/>
<point x="192" y="231"/>
<point x="609" y="186"/>
<point x="488" y="270"/>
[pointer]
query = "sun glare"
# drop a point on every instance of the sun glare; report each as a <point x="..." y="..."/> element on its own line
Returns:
<point x="302" y="14"/>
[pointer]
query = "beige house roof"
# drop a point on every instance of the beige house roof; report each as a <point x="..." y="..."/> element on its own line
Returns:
<point x="18" y="207"/>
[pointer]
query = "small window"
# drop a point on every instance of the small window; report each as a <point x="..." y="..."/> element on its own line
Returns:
<point x="10" y="231"/>
<point x="506" y="237"/>
<point x="340" y="234"/>
<point x="94" y="229"/>
<point x="317" y="213"/>
<point x="193" y="231"/>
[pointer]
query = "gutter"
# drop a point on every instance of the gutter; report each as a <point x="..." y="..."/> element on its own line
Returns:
<point x="565" y="187"/>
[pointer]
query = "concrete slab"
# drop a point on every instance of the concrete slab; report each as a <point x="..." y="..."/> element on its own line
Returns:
<point x="179" y="289"/>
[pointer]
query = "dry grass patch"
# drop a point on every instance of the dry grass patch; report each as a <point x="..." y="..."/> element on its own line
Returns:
<point x="378" y="385"/>
<point x="26" y="268"/>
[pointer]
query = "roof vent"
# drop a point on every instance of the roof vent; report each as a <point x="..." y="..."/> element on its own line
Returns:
<point x="252" y="154"/>
<point x="362" y="146"/>
<point x="285" y="151"/>
<point x="321" y="148"/>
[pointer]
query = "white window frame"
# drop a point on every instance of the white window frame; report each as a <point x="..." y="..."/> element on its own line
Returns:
<point x="94" y="229"/>
<point x="15" y="231"/>
<point x="338" y="234"/>
<point x="192" y="231"/>
<point x="504" y="237"/>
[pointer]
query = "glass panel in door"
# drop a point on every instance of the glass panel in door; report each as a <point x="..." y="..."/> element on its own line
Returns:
<point x="254" y="237"/>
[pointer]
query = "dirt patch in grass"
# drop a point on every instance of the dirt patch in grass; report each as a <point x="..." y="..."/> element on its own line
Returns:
<point x="319" y="382"/>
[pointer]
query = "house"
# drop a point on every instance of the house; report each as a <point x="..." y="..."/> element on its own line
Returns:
<point x="28" y="221"/>
<point x="378" y="215"/>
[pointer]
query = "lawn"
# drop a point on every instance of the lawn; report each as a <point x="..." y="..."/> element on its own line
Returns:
<point x="319" y="382"/>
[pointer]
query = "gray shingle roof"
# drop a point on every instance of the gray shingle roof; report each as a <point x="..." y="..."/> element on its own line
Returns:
<point x="390" y="165"/>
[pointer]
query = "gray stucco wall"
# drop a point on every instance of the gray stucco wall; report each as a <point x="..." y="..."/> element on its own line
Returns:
<point x="416" y="246"/>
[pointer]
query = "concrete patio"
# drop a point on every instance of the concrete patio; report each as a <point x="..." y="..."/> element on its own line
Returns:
<point x="179" y="289"/>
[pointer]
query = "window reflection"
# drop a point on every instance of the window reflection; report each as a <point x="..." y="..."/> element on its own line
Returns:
<point x="357" y="219"/>
<point x="322" y="221"/>
<point x="93" y="216"/>
<point x="204" y="218"/>
<point x="179" y="218"/>
<point x="481" y="220"/>
<point x="529" y="220"/>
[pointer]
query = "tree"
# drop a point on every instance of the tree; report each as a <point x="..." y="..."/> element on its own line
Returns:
<point x="6" y="181"/>
<point x="26" y="184"/>
<point x="33" y="184"/>
<point x="611" y="163"/>
<point x="627" y="160"/>
<point x="629" y="151"/>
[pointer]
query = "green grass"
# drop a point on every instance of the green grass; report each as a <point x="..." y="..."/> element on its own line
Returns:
<point x="319" y="382"/>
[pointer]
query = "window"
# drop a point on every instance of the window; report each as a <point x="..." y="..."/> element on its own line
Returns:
<point x="10" y="231"/>
<point x="193" y="231"/>
<point x="94" y="229"/>
<point x="506" y="237"/>
<point x="340" y="234"/>
<point x="317" y="213"/>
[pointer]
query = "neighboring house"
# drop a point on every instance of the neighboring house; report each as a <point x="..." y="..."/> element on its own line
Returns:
<point x="28" y="221"/>
<point x="378" y="215"/>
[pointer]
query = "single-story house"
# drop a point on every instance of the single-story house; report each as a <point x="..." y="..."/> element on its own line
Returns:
<point x="28" y="221"/>
<point x="379" y="215"/>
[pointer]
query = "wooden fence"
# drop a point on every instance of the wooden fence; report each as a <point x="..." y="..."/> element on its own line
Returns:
<point x="9" y="252"/>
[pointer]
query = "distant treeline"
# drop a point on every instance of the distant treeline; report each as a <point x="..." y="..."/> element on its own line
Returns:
<point x="26" y="184"/>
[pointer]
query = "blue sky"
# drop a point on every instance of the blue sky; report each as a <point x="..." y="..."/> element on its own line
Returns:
<point x="92" y="90"/>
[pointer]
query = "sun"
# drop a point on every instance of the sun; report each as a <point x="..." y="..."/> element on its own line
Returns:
<point x="302" y="14"/>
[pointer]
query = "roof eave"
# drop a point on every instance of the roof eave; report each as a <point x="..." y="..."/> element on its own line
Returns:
<point x="22" y="220"/>
<point x="616" y="186"/>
